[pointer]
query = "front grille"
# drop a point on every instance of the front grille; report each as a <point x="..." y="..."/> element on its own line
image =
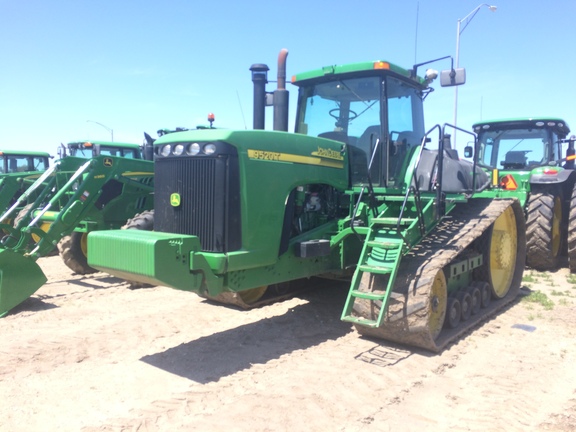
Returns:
<point x="210" y="200"/>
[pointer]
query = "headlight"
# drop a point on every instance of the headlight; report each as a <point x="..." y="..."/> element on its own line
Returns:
<point x="178" y="149"/>
<point x="209" y="149"/>
<point x="165" y="150"/>
<point x="193" y="149"/>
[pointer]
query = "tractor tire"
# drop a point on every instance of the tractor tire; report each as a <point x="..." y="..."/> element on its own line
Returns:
<point x="544" y="230"/>
<point x="142" y="221"/>
<point x="73" y="252"/>
<point x="572" y="233"/>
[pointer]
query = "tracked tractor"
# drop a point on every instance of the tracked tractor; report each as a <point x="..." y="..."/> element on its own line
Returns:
<point x="360" y="192"/>
<point x="525" y="158"/>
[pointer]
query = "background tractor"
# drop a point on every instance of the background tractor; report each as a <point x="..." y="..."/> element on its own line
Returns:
<point x="525" y="157"/>
<point x="18" y="170"/>
<point x="73" y="247"/>
<point x="356" y="194"/>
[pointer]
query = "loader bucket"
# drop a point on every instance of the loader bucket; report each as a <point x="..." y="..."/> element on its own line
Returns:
<point x="20" y="277"/>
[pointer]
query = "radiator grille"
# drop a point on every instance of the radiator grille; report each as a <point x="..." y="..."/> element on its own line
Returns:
<point x="209" y="193"/>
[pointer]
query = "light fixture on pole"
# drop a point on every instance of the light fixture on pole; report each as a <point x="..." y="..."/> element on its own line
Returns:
<point x="466" y="20"/>
<point x="105" y="127"/>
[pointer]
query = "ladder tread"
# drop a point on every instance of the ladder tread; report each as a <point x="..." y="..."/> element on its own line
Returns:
<point x="376" y="269"/>
<point x="369" y="295"/>
<point x="361" y="321"/>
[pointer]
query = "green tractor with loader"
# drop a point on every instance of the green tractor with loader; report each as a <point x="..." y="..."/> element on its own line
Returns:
<point x="526" y="160"/>
<point x="73" y="248"/>
<point x="357" y="193"/>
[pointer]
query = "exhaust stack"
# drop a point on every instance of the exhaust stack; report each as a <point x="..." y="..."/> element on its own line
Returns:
<point x="281" y="95"/>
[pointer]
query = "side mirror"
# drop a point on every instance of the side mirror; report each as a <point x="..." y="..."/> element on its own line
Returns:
<point x="468" y="151"/>
<point x="453" y="77"/>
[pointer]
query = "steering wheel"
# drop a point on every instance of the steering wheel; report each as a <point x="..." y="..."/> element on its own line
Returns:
<point x="351" y="114"/>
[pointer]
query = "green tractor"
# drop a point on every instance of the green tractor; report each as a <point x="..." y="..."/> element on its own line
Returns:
<point x="355" y="194"/>
<point x="526" y="161"/>
<point x="73" y="247"/>
<point x="14" y="162"/>
<point x="18" y="170"/>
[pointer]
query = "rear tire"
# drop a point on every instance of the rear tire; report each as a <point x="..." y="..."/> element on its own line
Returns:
<point x="543" y="230"/>
<point x="73" y="251"/>
<point x="572" y="233"/>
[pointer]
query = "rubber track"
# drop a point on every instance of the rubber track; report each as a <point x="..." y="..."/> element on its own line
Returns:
<point x="406" y="320"/>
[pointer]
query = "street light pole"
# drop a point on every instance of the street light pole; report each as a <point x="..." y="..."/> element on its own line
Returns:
<point x="459" y="29"/>
<point x="105" y="127"/>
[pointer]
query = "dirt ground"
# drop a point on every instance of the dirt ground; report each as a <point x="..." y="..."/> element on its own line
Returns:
<point x="87" y="354"/>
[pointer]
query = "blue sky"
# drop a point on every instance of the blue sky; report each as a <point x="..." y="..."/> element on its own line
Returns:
<point x="137" y="66"/>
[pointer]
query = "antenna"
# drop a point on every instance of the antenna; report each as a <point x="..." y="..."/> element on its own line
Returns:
<point x="241" y="110"/>
<point x="416" y="36"/>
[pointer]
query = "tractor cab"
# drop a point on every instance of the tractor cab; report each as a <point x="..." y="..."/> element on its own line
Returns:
<point x="517" y="145"/>
<point x="13" y="162"/>
<point x="376" y="111"/>
<point x="524" y="152"/>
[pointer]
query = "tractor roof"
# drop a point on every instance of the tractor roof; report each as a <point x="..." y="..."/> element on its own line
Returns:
<point x="23" y="153"/>
<point x="354" y="68"/>
<point x="105" y="143"/>
<point x="556" y="124"/>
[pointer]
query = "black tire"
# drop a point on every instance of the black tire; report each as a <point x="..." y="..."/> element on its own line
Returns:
<point x="72" y="250"/>
<point x="544" y="230"/>
<point x="572" y="232"/>
<point x="142" y="221"/>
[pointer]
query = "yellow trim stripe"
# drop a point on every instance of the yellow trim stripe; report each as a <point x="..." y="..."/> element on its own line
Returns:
<point x="293" y="158"/>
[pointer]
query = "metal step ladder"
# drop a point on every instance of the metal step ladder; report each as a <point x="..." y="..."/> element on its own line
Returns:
<point x="381" y="255"/>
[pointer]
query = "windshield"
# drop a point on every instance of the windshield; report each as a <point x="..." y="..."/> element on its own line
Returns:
<point x="516" y="148"/>
<point x="353" y="111"/>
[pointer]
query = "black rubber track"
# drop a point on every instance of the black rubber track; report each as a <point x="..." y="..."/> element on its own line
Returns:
<point x="408" y="313"/>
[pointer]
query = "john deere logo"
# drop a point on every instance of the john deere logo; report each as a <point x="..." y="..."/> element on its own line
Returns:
<point x="175" y="200"/>
<point x="108" y="162"/>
